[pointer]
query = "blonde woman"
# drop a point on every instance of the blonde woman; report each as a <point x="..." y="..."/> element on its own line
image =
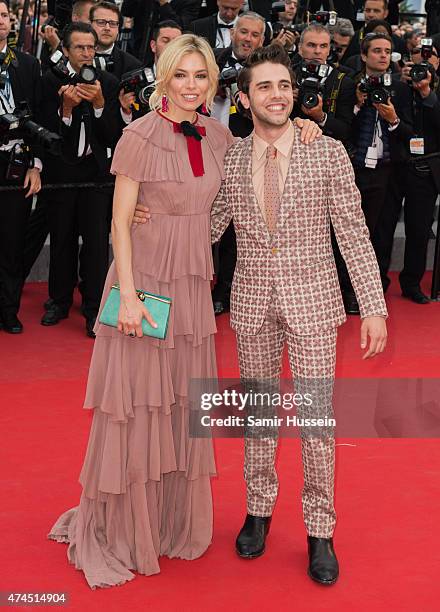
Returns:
<point x="146" y="483"/>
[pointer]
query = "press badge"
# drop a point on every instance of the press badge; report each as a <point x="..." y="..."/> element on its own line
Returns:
<point x="417" y="146"/>
<point x="360" y="16"/>
<point x="371" y="157"/>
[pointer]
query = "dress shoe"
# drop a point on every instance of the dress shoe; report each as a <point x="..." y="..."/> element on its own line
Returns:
<point x="350" y="303"/>
<point x="220" y="307"/>
<point x="323" y="565"/>
<point x="90" y="324"/>
<point x="11" y="324"/>
<point x="252" y="537"/>
<point x="48" y="304"/>
<point x="53" y="315"/>
<point x="416" y="296"/>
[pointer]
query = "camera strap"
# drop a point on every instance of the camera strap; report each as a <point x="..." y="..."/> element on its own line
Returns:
<point x="331" y="104"/>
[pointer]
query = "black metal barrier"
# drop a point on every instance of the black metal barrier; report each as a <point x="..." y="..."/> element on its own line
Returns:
<point x="59" y="186"/>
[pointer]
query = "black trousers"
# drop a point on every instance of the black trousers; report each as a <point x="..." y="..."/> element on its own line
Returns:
<point x="227" y="257"/>
<point x="85" y="212"/>
<point x="373" y="184"/>
<point x="420" y="193"/>
<point x="383" y="236"/>
<point x="37" y="230"/>
<point x="15" y="209"/>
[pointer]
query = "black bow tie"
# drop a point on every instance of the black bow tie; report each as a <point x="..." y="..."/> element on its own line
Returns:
<point x="226" y="26"/>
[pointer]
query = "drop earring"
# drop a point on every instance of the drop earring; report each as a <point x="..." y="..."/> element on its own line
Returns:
<point x="164" y="103"/>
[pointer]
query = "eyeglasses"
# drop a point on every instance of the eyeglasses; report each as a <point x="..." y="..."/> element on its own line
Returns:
<point x="103" y="22"/>
<point x="83" y="47"/>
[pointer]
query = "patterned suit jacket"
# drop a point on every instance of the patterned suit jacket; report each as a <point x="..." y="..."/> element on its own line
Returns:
<point x="297" y="261"/>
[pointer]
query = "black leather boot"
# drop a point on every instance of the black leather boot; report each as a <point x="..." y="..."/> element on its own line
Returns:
<point x="252" y="537"/>
<point x="323" y="565"/>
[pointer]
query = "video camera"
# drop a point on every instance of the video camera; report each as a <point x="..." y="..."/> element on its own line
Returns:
<point x="142" y="83"/>
<point x="419" y="72"/>
<point x="309" y="75"/>
<point x="377" y="88"/>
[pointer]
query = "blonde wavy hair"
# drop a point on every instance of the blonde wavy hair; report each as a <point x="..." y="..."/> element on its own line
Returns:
<point x="171" y="56"/>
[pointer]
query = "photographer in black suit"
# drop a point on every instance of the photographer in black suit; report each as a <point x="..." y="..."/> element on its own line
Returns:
<point x="217" y="28"/>
<point x="334" y="111"/>
<point x="419" y="179"/>
<point x="246" y="36"/>
<point x="20" y="81"/>
<point x="382" y="129"/>
<point x="88" y="117"/>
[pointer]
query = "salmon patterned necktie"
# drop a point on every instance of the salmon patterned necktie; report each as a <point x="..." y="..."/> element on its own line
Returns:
<point x="271" y="188"/>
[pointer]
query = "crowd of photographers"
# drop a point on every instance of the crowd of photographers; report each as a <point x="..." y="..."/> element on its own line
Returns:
<point x="87" y="70"/>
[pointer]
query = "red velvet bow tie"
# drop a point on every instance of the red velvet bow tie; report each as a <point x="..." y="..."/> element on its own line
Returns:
<point x="193" y="135"/>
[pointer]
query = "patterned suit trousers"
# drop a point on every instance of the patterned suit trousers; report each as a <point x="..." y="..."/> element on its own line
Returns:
<point x="312" y="363"/>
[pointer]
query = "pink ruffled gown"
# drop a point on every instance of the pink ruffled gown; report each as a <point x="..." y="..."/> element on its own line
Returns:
<point x="146" y="483"/>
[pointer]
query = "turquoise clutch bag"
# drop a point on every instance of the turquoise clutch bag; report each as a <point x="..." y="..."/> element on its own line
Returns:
<point x="158" y="306"/>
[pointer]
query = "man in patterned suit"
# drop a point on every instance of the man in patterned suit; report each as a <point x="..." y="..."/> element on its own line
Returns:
<point x="282" y="197"/>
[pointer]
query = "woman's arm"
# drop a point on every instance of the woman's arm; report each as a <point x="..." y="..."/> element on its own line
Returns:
<point x="131" y="310"/>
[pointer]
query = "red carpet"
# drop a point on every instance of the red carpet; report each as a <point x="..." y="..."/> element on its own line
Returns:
<point x="387" y="496"/>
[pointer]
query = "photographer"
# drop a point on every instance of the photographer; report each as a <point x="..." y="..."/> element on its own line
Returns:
<point x="20" y="81"/>
<point x="342" y="34"/>
<point x="52" y="31"/>
<point x="217" y="28"/>
<point x="381" y="131"/>
<point x="419" y="180"/>
<point x="246" y="36"/>
<point x="283" y="24"/>
<point x="105" y="19"/>
<point x="333" y="108"/>
<point x="85" y="111"/>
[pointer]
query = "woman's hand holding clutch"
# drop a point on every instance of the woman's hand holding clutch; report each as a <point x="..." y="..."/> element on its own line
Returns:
<point x="131" y="313"/>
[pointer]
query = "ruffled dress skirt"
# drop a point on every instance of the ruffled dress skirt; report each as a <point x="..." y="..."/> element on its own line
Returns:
<point x="146" y="481"/>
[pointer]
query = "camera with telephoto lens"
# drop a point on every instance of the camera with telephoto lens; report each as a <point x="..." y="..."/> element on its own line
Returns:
<point x="309" y="75"/>
<point x="228" y="76"/>
<point x="419" y="72"/>
<point x="377" y="88"/>
<point x="19" y="125"/>
<point x="323" y="17"/>
<point x="142" y="83"/>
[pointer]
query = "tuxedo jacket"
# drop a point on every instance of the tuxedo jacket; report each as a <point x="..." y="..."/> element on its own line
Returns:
<point x="206" y="27"/>
<point x="25" y="76"/>
<point x="123" y="62"/>
<point x="102" y="133"/>
<point x="297" y="260"/>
